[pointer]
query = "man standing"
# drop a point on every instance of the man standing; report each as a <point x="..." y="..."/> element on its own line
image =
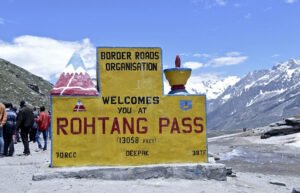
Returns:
<point x="25" y="121"/>
<point x="9" y="130"/>
<point x="2" y="123"/>
<point x="32" y="133"/>
<point x="43" y="124"/>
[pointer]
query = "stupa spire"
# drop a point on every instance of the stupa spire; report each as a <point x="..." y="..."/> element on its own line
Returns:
<point x="177" y="61"/>
<point x="177" y="77"/>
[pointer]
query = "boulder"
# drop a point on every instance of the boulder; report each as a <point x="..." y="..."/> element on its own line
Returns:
<point x="293" y="121"/>
<point x="296" y="190"/>
<point x="34" y="87"/>
<point x="280" y="130"/>
<point x="277" y="183"/>
<point x="279" y="123"/>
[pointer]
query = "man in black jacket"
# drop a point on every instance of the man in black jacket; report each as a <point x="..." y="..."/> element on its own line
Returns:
<point x="25" y="121"/>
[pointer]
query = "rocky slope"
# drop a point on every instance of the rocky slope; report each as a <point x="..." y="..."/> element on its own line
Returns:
<point x="259" y="98"/>
<point x="18" y="84"/>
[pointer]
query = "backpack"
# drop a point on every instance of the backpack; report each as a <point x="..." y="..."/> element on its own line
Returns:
<point x="10" y="125"/>
<point x="35" y="115"/>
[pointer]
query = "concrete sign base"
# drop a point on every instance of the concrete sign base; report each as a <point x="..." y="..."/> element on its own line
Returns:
<point x="180" y="171"/>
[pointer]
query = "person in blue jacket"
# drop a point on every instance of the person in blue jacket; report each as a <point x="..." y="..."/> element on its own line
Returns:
<point x="9" y="130"/>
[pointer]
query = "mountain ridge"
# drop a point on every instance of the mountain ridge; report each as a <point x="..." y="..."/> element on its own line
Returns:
<point x="261" y="97"/>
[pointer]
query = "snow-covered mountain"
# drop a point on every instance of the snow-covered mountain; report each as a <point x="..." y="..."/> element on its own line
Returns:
<point x="212" y="87"/>
<point x="261" y="97"/>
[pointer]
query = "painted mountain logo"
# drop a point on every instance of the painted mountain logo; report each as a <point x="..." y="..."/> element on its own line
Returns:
<point x="79" y="107"/>
<point x="75" y="80"/>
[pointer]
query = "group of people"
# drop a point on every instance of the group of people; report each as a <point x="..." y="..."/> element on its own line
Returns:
<point x="25" y="121"/>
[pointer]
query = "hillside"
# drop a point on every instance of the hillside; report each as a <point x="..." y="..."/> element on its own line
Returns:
<point x="18" y="84"/>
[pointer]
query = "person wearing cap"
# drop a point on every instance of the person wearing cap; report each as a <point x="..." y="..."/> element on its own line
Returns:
<point x="25" y="120"/>
<point x="3" y="118"/>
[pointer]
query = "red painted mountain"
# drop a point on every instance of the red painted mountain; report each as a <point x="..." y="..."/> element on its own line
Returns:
<point x="75" y="80"/>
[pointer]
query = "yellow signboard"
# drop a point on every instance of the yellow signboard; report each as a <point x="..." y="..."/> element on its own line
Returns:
<point x="130" y="71"/>
<point x="128" y="124"/>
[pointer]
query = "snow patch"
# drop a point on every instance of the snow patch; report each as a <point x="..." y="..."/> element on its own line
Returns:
<point x="231" y="155"/>
<point x="290" y="72"/>
<point x="226" y="97"/>
<point x="264" y="95"/>
<point x="211" y="85"/>
<point x="249" y="85"/>
<point x="80" y="70"/>
<point x="69" y="69"/>
<point x="296" y="141"/>
<point x="292" y="95"/>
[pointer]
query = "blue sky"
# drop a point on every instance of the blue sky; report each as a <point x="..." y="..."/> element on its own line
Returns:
<point x="220" y="37"/>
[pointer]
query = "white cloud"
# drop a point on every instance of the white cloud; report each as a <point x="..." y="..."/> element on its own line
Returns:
<point x="231" y="58"/>
<point x="268" y="9"/>
<point x="198" y="55"/>
<point x="233" y="54"/>
<point x="200" y="78"/>
<point x="275" y="55"/>
<point x="167" y="87"/>
<point x="193" y="65"/>
<point x="45" y="56"/>
<point x="291" y="1"/>
<point x="236" y="5"/>
<point x="1" y="20"/>
<point x="210" y="3"/>
<point x="221" y="2"/>
<point x="184" y="54"/>
<point x="227" y="61"/>
<point x="248" y="16"/>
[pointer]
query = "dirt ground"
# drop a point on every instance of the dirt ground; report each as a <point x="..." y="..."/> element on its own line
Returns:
<point x="272" y="156"/>
<point x="257" y="165"/>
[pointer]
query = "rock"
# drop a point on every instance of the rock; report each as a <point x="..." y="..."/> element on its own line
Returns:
<point x="279" y="123"/>
<point x="280" y="130"/>
<point x="296" y="190"/>
<point x="277" y="183"/>
<point x="265" y="136"/>
<point x="34" y="87"/>
<point x="216" y="157"/>
<point x="293" y="121"/>
<point x="229" y="171"/>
